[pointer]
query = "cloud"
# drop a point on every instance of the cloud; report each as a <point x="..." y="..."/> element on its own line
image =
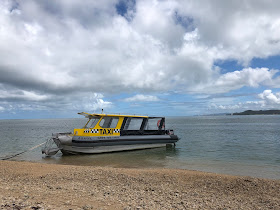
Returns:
<point x="93" y="102"/>
<point x="21" y="95"/>
<point x="2" y="109"/>
<point x="55" y="53"/>
<point x="248" y="77"/>
<point x="226" y="107"/>
<point x="240" y="30"/>
<point x="241" y="106"/>
<point x="270" y="98"/>
<point x="141" y="98"/>
<point x="60" y="47"/>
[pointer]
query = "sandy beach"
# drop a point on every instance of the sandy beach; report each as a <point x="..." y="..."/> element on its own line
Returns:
<point x="26" y="185"/>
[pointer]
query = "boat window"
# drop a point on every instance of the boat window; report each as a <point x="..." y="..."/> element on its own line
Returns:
<point x="92" y="122"/>
<point x="109" y="122"/>
<point x="133" y="123"/>
<point x="153" y="124"/>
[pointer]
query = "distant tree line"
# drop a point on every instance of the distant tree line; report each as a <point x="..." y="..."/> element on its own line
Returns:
<point x="259" y="112"/>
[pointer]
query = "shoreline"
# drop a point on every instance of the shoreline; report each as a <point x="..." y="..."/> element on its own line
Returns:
<point x="27" y="185"/>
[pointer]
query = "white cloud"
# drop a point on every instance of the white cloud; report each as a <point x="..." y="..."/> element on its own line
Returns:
<point x="22" y="95"/>
<point x="2" y="109"/>
<point x="241" y="30"/>
<point x="235" y="80"/>
<point x="13" y="107"/>
<point x="93" y="102"/>
<point x="67" y="49"/>
<point x="140" y="97"/>
<point x="156" y="19"/>
<point x="270" y="98"/>
<point x="62" y="46"/>
<point x="225" y="107"/>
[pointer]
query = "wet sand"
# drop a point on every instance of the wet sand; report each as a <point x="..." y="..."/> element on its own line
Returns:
<point x="26" y="185"/>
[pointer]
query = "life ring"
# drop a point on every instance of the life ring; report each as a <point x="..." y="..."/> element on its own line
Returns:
<point x="158" y="124"/>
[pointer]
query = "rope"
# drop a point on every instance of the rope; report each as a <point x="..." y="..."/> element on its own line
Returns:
<point x="6" y="158"/>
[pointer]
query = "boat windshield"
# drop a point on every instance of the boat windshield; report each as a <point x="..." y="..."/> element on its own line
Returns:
<point x="92" y="122"/>
<point x="109" y="122"/>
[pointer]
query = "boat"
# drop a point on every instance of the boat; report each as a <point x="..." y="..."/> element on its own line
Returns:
<point x="112" y="133"/>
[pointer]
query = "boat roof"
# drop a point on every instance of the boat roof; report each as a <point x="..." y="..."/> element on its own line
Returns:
<point x="87" y="115"/>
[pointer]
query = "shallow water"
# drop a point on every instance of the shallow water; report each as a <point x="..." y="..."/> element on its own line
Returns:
<point x="238" y="145"/>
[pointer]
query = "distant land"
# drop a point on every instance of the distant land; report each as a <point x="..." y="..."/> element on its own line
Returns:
<point x="259" y="112"/>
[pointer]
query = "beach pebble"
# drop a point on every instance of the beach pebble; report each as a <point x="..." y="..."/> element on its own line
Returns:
<point x="45" y="186"/>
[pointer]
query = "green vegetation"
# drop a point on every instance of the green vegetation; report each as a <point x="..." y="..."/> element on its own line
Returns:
<point x="260" y="112"/>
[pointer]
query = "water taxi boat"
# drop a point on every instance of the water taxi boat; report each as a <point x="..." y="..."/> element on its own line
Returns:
<point x="110" y="133"/>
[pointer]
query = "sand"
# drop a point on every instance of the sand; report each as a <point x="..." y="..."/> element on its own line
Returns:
<point x="26" y="185"/>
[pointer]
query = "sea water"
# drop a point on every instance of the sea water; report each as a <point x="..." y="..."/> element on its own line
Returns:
<point x="236" y="145"/>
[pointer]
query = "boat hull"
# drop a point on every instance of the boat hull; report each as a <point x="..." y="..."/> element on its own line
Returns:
<point x="72" y="150"/>
<point x="95" y="145"/>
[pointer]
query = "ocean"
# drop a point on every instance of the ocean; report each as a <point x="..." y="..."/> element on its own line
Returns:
<point x="235" y="145"/>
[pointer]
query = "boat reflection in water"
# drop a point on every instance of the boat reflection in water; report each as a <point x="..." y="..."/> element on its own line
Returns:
<point x="162" y="157"/>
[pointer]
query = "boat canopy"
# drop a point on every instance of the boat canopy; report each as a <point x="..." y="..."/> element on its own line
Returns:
<point x="94" y="115"/>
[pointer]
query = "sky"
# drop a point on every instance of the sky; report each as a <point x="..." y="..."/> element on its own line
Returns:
<point x="154" y="57"/>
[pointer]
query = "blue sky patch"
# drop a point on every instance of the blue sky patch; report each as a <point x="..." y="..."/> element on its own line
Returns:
<point x="272" y="62"/>
<point x="228" y="65"/>
<point x="123" y="6"/>
<point x="186" y="22"/>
